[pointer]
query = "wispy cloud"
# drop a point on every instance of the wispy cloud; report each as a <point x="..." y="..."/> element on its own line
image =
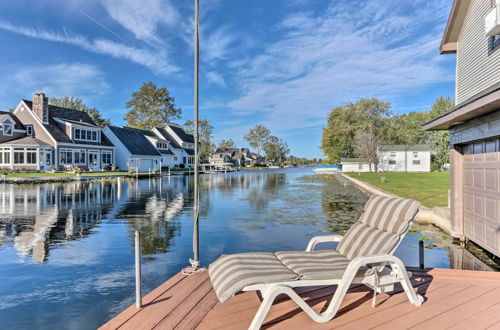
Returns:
<point x="347" y="52"/>
<point x="215" y="78"/>
<point x="74" y="79"/>
<point x="143" y="18"/>
<point x="155" y="60"/>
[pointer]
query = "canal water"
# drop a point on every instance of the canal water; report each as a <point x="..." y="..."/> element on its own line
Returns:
<point x="67" y="254"/>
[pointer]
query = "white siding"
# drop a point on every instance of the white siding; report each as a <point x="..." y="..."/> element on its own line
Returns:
<point x="404" y="161"/>
<point x="356" y="167"/>
<point x="476" y="69"/>
<point x="121" y="153"/>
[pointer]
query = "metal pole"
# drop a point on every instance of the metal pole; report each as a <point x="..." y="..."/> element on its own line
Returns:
<point x="138" y="289"/>
<point x="195" y="262"/>
<point x="421" y="254"/>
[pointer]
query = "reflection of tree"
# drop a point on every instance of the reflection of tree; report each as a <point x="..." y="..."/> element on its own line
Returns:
<point x="342" y="203"/>
<point x="267" y="189"/>
<point x="155" y="235"/>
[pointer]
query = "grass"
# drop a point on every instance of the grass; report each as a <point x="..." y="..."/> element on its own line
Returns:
<point x="430" y="189"/>
<point x="62" y="174"/>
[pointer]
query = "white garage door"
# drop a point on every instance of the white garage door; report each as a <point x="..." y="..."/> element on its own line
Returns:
<point x="482" y="195"/>
<point x="146" y="165"/>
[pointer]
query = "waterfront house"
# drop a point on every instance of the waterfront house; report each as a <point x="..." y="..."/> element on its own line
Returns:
<point x="181" y="144"/>
<point x="393" y="158"/>
<point x="237" y="156"/>
<point x="136" y="149"/>
<point x="473" y="34"/>
<point x="355" y="165"/>
<point x="404" y="158"/>
<point x="39" y="136"/>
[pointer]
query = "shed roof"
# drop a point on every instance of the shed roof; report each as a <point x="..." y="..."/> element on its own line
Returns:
<point x="404" y="147"/>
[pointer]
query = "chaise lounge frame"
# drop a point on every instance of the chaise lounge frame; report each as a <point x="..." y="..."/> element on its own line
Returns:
<point x="380" y="279"/>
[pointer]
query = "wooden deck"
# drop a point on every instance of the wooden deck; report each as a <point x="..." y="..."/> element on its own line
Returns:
<point x="455" y="299"/>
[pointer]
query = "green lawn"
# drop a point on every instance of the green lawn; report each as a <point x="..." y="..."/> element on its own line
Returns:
<point x="49" y="174"/>
<point x="430" y="189"/>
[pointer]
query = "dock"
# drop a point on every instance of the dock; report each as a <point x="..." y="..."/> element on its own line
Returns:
<point x="455" y="299"/>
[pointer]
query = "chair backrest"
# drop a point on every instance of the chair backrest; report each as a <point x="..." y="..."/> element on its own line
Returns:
<point x="380" y="228"/>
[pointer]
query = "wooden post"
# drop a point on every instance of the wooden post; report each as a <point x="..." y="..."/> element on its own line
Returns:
<point x="456" y="194"/>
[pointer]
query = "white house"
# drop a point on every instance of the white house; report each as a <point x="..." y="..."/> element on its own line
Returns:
<point x="355" y="165"/>
<point x="181" y="144"/>
<point x="404" y="158"/>
<point x="134" y="151"/>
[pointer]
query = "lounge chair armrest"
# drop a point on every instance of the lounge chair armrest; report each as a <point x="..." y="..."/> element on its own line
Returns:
<point x="322" y="239"/>
<point x="361" y="261"/>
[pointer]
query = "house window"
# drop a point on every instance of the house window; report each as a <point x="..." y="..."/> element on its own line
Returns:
<point x="493" y="44"/>
<point x="48" y="157"/>
<point x="77" y="134"/>
<point x="6" y="156"/>
<point x="18" y="155"/>
<point x="86" y="135"/>
<point x="415" y="154"/>
<point x="478" y="148"/>
<point x="30" y="156"/>
<point x="106" y="157"/>
<point x="7" y="129"/>
<point x="360" y="166"/>
<point x="94" y="136"/>
<point x="392" y="162"/>
<point x="490" y="146"/>
<point x="66" y="157"/>
<point x="29" y="130"/>
<point x="80" y="157"/>
<point x="393" y="154"/>
<point x="416" y="162"/>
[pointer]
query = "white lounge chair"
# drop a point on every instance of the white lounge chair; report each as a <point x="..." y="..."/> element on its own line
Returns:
<point x="361" y="257"/>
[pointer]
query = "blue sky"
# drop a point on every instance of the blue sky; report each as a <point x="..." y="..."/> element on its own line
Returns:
<point x="282" y="63"/>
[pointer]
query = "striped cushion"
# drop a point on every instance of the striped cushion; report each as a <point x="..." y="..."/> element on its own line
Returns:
<point x="316" y="265"/>
<point x="379" y="228"/>
<point x="229" y="274"/>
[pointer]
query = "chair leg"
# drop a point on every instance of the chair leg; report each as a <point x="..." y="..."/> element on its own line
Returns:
<point x="413" y="297"/>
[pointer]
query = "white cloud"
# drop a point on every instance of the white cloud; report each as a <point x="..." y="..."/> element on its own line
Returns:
<point x="64" y="79"/>
<point x="378" y="48"/>
<point x="155" y="60"/>
<point x="143" y="18"/>
<point x="215" y="78"/>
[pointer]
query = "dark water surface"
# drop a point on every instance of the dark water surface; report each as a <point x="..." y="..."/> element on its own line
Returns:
<point x="66" y="249"/>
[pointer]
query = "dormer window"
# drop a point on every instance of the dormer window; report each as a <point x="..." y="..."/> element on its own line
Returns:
<point x="29" y="130"/>
<point x="7" y="129"/>
<point x="86" y="135"/>
<point x="162" y="145"/>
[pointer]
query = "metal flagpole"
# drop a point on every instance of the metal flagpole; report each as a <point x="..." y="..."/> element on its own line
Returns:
<point x="195" y="262"/>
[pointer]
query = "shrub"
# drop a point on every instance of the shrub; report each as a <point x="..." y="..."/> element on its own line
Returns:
<point x="435" y="167"/>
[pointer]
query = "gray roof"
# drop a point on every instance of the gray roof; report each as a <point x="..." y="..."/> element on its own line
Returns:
<point x="169" y="137"/>
<point x="17" y="122"/>
<point x="80" y="117"/>
<point x="165" y="152"/>
<point x="350" y="160"/>
<point x="27" y="140"/>
<point x="403" y="147"/>
<point x="182" y="134"/>
<point x="135" y="140"/>
<point x="475" y="97"/>
<point x="190" y="152"/>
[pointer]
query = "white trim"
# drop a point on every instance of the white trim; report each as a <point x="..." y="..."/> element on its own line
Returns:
<point x="36" y="119"/>
<point x="78" y="145"/>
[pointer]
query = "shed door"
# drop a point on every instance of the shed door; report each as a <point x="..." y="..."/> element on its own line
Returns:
<point x="482" y="197"/>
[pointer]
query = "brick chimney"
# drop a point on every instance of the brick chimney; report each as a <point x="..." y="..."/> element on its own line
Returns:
<point x="41" y="107"/>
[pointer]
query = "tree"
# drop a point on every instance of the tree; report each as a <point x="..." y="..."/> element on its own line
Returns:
<point x="439" y="141"/>
<point x="366" y="143"/>
<point x="151" y="107"/>
<point x="276" y="150"/>
<point x="205" y="136"/>
<point x="344" y="121"/>
<point x="226" y="144"/>
<point x="257" y="137"/>
<point x="76" y="103"/>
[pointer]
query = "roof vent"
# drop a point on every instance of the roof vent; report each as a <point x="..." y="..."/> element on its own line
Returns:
<point x="492" y="21"/>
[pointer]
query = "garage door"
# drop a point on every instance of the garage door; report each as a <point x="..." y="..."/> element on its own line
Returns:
<point x="146" y="165"/>
<point x="482" y="197"/>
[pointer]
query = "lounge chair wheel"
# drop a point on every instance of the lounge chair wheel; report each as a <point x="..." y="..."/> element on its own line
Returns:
<point x="419" y="301"/>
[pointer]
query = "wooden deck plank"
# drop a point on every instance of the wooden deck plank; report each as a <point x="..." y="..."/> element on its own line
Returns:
<point x="132" y="311"/>
<point x="455" y="299"/>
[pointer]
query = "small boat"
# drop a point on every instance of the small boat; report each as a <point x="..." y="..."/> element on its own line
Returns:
<point x="273" y="166"/>
<point x="327" y="169"/>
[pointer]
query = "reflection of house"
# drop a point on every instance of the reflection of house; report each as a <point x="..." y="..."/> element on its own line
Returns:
<point x="474" y="121"/>
<point x="237" y="156"/>
<point x="393" y="158"/>
<point x="37" y="136"/>
<point x="404" y="158"/>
